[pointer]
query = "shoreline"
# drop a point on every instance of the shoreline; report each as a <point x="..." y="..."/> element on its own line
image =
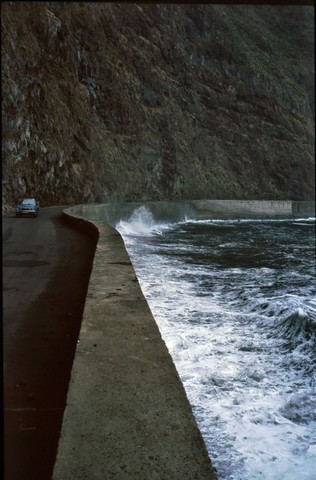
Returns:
<point x="142" y="425"/>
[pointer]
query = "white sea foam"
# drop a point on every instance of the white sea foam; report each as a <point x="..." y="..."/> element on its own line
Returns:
<point x="242" y="339"/>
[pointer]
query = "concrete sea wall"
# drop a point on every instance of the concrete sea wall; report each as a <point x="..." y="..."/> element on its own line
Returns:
<point x="127" y="414"/>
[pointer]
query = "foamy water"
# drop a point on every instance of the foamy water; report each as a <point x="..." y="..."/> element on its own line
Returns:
<point x="235" y="303"/>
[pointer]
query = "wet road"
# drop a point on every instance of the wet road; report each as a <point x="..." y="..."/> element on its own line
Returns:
<point x="46" y="269"/>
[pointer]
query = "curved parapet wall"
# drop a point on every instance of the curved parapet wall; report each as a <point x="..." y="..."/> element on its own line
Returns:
<point x="127" y="414"/>
<point x="197" y="209"/>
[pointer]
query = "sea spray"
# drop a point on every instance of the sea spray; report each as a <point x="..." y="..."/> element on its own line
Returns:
<point x="140" y="223"/>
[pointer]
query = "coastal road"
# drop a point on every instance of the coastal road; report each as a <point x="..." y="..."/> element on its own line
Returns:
<point x="46" y="269"/>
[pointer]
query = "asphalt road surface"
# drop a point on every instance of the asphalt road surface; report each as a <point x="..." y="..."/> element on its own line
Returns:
<point x="46" y="269"/>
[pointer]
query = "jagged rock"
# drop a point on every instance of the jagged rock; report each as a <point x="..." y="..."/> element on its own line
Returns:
<point x="105" y="101"/>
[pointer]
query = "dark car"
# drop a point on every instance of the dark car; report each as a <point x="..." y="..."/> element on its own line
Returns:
<point x="27" y="207"/>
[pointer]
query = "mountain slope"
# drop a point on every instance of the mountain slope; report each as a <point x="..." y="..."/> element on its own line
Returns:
<point x="156" y="101"/>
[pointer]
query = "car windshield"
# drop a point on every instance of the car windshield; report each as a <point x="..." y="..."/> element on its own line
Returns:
<point x="28" y="201"/>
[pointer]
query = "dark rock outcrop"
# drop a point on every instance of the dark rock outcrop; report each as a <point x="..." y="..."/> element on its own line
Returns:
<point x="156" y="101"/>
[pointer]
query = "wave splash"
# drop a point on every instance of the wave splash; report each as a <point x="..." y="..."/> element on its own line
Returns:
<point x="141" y="224"/>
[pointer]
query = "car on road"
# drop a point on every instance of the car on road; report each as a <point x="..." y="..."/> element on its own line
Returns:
<point x="27" y="207"/>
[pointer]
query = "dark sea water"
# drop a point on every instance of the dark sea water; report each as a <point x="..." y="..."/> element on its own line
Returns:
<point x="235" y="303"/>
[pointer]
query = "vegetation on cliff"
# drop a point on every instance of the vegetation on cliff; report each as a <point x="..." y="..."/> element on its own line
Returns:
<point x="105" y="102"/>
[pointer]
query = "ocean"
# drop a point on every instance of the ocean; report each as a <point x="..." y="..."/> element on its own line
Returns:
<point x="235" y="303"/>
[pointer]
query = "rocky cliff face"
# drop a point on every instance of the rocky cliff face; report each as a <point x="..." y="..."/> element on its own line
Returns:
<point x="156" y="101"/>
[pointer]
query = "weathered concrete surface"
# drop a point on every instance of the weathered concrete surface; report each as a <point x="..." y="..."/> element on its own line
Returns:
<point x="127" y="414"/>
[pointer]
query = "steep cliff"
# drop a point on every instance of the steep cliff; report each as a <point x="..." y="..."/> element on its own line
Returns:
<point x="156" y="101"/>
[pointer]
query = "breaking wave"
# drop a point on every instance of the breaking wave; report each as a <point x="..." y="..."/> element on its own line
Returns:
<point x="140" y="223"/>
